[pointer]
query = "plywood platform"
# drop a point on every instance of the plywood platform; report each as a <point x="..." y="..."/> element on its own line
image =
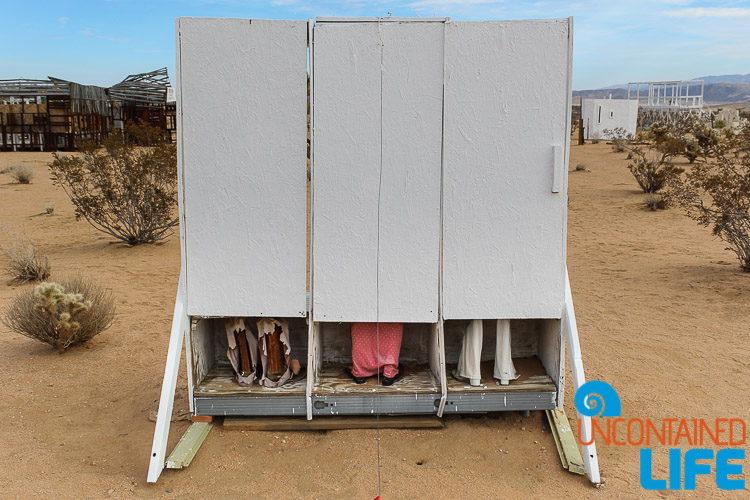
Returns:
<point x="418" y="379"/>
<point x="533" y="378"/>
<point x="220" y="381"/>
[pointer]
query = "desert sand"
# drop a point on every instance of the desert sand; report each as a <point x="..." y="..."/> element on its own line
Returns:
<point x="662" y="311"/>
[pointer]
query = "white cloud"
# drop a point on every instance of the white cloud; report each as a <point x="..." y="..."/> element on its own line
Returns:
<point x="87" y="32"/>
<point x="698" y="12"/>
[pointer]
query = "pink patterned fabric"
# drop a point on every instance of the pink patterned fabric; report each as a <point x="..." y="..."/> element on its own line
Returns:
<point x="365" y="340"/>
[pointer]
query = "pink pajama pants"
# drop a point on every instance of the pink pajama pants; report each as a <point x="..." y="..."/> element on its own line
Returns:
<point x="365" y="340"/>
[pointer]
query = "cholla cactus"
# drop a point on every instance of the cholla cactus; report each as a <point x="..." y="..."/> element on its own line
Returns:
<point x="62" y="309"/>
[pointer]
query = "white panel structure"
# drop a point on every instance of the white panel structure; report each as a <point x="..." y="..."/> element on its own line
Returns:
<point x="243" y="126"/>
<point x="507" y="102"/>
<point x="378" y="118"/>
<point x="608" y="114"/>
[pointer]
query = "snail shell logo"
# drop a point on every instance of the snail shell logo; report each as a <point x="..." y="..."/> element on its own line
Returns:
<point x="597" y="399"/>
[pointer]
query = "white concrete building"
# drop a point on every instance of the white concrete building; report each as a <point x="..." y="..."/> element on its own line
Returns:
<point x="608" y="114"/>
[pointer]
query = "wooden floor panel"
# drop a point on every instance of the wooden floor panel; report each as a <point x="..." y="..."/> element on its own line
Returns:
<point x="533" y="378"/>
<point x="418" y="379"/>
<point x="221" y="381"/>
<point x="333" y="380"/>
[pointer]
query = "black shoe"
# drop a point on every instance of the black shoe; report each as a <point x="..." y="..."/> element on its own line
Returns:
<point x="391" y="380"/>
<point x="357" y="380"/>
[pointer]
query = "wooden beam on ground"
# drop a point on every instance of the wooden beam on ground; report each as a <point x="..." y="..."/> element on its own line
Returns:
<point x="570" y="455"/>
<point x="331" y="423"/>
<point x="188" y="446"/>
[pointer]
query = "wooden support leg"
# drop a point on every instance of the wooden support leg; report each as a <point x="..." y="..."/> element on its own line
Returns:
<point x="590" y="460"/>
<point x="166" y="402"/>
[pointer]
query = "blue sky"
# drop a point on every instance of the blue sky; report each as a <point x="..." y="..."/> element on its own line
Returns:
<point x="100" y="42"/>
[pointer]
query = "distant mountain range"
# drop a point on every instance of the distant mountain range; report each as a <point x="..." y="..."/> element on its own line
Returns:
<point x="725" y="79"/>
<point x="718" y="90"/>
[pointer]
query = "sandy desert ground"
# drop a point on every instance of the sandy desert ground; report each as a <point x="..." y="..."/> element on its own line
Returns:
<point x="662" y="311"/>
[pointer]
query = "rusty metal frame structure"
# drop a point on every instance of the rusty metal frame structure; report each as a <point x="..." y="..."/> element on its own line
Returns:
<point x="56" y="114"/>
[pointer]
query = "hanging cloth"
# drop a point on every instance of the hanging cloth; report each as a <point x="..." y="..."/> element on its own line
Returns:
<point x="275" y="352"/>
<point x="365" y="359"/>
<point x="505" y="371"/>
<point x="242" y="346"/>
<point x="469" y="361"/>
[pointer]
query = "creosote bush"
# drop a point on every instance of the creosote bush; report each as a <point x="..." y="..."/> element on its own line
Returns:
<point x="715" y="191"/>
<point x="127" y="191"/>
<point x="62" y="314"/>
<point x="652" y="169"/>
<point x="25" y="263"/>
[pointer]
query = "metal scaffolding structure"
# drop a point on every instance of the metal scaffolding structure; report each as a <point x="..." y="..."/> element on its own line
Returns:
<point x="668" y="101"/>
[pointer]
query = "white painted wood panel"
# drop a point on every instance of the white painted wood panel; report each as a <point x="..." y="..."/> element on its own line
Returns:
<point x="506" y="101"/>
<point x="243" y="125"/>
<point x="354" y="205"/>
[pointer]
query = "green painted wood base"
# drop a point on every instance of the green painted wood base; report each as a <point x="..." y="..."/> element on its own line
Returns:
<point x="570" y="455"/>
<point x="189" y="444"/>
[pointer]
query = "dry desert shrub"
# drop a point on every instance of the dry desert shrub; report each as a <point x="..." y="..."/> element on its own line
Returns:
<point x="22" y="173"/>
<point x="25" y="263"/>
<point x="652" y="169"/>
<point x="715" y="191"/>
<point x="655" y="202"/>
<point x="62" y="314"/>
<point x="127" y="191"/>
<point x="619" y="137"/>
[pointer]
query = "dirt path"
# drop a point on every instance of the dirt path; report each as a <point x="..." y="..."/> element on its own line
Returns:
<point x="662" y="312"/>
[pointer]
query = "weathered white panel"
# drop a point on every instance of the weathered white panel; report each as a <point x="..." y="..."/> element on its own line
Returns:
<point x="608" y="114"/>
<point x="506" y="99"/>
<point x="354" y="205"/>
<point x="243" y="102"/>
